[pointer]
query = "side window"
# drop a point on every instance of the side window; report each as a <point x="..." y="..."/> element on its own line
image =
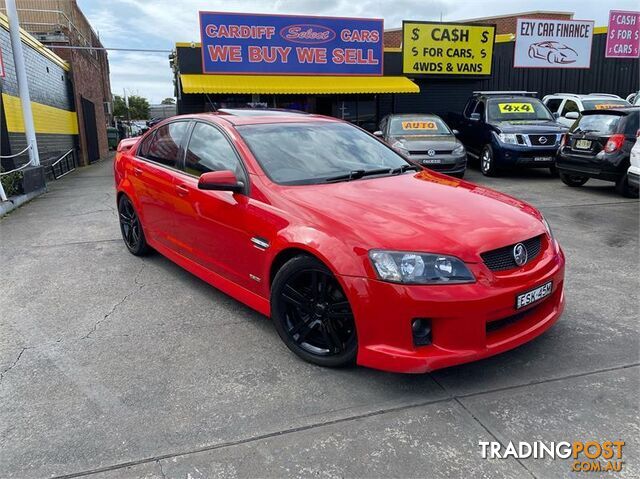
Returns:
<point x="209" y="150"/>
<point x="570" y="105"/>
<point x="383" y="125"/>
<point x="469" y="108"/>
<point x="480" y="109"/>
<point x="144" y="146"/>
<point x="165" y="147"/>
<point x="554" y="104"/>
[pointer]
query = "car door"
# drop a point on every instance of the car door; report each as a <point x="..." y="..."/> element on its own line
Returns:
<point x="466" y="125"/>
<point x="477" y="131"/>
<point x="567" y="107"/>
<point x="212" y="225"/>
<point x="154" y="169"/>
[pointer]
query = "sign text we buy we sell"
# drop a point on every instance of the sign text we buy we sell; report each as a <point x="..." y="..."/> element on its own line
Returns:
<point x="234" y="43"/>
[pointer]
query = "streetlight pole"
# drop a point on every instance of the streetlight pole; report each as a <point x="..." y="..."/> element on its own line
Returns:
<point x="23" y="86"/>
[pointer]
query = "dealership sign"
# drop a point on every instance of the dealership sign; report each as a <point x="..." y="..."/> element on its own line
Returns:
<point x="238" y="43"/>
<point x="435" y="48"/>
<point x="623" y="35"/>
<point x="543" y="43"/>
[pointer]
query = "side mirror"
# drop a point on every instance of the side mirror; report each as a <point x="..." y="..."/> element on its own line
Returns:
<point x="224" y="180"/>
<point x="555" y="115"/>
<point x="475" y="117"/>
<point x="378" y="133"/>
<point x="572" y="115"/>
<point x="455" y="132"/>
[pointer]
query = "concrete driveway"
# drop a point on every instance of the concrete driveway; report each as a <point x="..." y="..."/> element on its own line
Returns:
<point x="116" y="366"/>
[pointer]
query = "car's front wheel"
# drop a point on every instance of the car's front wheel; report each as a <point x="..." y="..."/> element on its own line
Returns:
<point x="487" y="162"/>
<point x="131" y="228"/>
<point x="312" y="313"/>
<point x="573" y="180"/>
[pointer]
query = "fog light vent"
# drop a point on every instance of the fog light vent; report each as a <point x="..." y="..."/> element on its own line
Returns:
<point x="421" y="329"/>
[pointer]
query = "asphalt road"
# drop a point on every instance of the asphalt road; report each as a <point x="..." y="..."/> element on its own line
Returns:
<point x="115" y="366"/>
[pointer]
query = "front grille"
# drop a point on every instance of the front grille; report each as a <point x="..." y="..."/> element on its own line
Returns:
<point x="424" y="152"/>
<point x="501" y="259"/>
<point x="537" y="140"/>
<point x="493" y="326"/>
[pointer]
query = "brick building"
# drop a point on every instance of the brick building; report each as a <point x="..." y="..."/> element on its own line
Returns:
<point x="61" y="23"/>
<point x="505" y="24"/>
<point x="54" y="115"/>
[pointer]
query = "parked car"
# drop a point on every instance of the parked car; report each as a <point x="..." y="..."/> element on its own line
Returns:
<point x="356" y="253"/>
<point x="508" y="130"/>
<point x="425" y="139"/>
<point x="633" y="172"/>
<point x="599" y="146"/>
<point x="566" y="107"/>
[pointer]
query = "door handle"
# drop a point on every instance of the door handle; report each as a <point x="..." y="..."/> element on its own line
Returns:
<point x="182" y="190"/>
<point x="137" y="171"/>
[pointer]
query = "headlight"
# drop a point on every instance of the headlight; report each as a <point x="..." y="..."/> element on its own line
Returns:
<point x="508" y="138"/>
<point x="399" y="147"/>
<point x="458" y="150"/>
<point x="419" y="268"/>
<point x="548" y="228"/>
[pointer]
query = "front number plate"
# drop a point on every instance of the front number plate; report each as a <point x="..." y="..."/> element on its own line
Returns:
<point x="543" y="158"/>
<point x="530" y="297"/>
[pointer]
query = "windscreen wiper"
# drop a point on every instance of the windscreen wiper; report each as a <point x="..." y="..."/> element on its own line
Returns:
<point x="356" y="174"/>
<point x="403" y="168"/>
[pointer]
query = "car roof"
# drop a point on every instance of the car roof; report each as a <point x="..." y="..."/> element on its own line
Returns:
<point x="259" y="111"/>
<point x="413" y="115"/>
<point x="589" y="96"/>
<point x="256" y="119"/>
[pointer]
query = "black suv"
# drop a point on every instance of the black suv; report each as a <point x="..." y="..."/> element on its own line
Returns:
<point x="599" y="146"/>
<point x="507" y="130"/>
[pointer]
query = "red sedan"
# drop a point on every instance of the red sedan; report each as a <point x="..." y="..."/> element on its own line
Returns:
<point x="356" y="254"/>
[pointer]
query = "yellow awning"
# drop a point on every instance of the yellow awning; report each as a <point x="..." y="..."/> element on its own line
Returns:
<point x="295" y="84"/>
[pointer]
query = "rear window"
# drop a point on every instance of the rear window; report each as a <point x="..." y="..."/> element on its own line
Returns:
<point x="603" y="104"/>
<point x="604" y="124"/>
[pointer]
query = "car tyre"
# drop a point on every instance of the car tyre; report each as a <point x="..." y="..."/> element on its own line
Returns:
<point x="573" y="180"/>
<point x="312" y="314"/>
<point x="131" y="228"/>
<point x="624" y="188"/>
<point x="487" y="162"/>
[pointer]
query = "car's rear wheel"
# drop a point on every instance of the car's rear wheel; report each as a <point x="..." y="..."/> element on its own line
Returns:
<point x="312" y="313"/>
<point x="487" y="162"/>
<point x="625" y="189"/>
<point x="131" y="228"/>
<point x="573" y="180"/>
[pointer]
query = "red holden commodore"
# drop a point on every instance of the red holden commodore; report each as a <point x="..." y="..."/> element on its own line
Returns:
<point x="357" y="254"/>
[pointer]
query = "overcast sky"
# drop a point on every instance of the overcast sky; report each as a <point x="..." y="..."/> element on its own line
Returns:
<point x="159" y="24"/>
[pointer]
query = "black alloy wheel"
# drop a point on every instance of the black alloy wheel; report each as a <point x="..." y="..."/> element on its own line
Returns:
<point x="131" y="228"/>
<point x="573" y="180"/>
<point x="312" y="313"/>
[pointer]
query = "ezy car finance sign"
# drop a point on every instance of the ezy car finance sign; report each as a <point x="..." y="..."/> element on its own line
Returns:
<point x="545" y="43"/>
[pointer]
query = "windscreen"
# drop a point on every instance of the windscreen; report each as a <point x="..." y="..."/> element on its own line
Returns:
<point x="601" y="124"/>
<point x="603" y="104"/>
<point x="522" y="109"/>
<point x="418" y="126"/>
<point x="304" y="153"/>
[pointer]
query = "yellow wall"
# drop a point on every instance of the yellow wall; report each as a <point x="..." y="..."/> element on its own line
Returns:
<point x="46" y="119"/>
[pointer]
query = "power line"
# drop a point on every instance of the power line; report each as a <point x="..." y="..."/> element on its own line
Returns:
<point x="68" y="47"/>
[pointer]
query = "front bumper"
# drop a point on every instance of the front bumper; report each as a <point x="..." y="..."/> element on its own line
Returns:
<point x="459" y="314"/>
<point x="524" y="156"/>
<point x="448" y="164"/>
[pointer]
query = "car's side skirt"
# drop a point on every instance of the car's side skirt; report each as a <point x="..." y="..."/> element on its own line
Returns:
<point x="251" y="299"/>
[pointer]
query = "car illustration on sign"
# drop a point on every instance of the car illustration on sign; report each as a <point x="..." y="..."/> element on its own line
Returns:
<point x="553" y="52"/>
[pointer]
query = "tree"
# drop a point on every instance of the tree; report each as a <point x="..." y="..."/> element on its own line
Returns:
<point x="168" y="101"/>
<point x="138" y="107"/>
